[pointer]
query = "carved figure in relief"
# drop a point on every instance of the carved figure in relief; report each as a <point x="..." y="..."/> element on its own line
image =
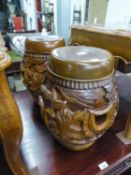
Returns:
<point x="76" y="120"/>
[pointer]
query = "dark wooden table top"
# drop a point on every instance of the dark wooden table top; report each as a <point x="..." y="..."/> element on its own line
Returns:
<point x="43" y="155"/>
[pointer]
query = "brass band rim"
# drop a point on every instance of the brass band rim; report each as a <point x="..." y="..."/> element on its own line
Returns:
<point x="80" y="80"/>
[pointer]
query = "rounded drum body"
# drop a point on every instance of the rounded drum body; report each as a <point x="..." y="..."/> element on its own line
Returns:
<point x="37" y="51"/>
<point x="79" y="99"/>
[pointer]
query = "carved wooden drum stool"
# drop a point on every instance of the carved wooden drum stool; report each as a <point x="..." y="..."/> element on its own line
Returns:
<point x="79" y="99"/>
<point x="37" y="51"/>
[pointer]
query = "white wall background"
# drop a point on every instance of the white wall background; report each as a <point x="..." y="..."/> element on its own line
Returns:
<point x="65" y="10"/>
<point x="119" y="14"/>
<point x="29" y="7"/>
<point x="97" y="12"/>
<point x="63" y="18"/>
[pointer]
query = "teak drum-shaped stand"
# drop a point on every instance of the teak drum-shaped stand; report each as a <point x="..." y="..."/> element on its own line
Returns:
<point x="10" y="121"/>
<point x="118" y="43"/>
<point x="37" y="52"/>
<point x="79" y="100"/>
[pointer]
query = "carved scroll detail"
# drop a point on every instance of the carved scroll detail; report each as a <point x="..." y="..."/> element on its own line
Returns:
<point x="78" y="117"/>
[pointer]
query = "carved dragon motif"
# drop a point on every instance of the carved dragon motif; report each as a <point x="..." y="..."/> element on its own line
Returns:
<point x="75" y="120"/>
<point x="34" y="73"/>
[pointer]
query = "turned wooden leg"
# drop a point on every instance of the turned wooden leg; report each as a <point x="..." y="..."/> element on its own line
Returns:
<point x="11" y="128"/>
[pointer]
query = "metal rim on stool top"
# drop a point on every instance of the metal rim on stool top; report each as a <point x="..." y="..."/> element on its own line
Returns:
<point x="79" y="98"/>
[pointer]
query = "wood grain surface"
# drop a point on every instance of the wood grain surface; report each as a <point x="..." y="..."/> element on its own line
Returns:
<point x="43" y="155"/>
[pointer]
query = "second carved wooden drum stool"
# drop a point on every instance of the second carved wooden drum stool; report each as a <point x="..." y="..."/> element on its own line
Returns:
<point x="79" y="99"/>
<point x="37" y="51"/>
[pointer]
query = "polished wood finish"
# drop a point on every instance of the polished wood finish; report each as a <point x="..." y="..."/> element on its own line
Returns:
<point x="43" y="44"/>
<point x="81" y="63"/>
<point x="37" y="52"/>
<point x="10" y="128"/>
<point x="45" y="156"/>
<point x="79" y="100"/>
<point x="116" y="41"/>
<point x="10" y="121"/>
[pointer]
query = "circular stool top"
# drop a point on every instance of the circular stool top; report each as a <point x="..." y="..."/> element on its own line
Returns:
<point x="81" y="63"/>
<point x="41" y="44"/>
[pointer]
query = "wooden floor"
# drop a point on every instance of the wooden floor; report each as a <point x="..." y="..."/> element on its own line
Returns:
<point x="45" y="156"/>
